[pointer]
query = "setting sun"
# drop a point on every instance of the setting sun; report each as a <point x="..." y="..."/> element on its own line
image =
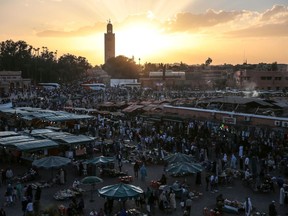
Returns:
<point x="140" y="40"/>
<point x="146" y="41"/>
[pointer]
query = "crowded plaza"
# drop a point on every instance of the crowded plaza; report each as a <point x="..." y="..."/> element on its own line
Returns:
<point x="72" y="151"/>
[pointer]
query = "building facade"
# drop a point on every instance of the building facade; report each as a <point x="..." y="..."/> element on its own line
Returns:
<point x="262" y="80"/>
<point x="167" y="79"/>
<point x="12" y="80"/>
<point x="195" y="80"/>
<point x="109" y="42"/>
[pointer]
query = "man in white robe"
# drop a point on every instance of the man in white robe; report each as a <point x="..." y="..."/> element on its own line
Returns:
<point x="248" y="206"/>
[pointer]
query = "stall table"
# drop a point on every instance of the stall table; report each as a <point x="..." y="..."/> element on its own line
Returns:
<point x="125" y="179"/>
<point x="68" y="193"/>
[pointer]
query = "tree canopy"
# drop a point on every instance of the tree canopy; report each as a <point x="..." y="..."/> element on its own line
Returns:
<point x="122" y="67"/>
<point x="41" y="65"/>
<point x="208" y="61"/>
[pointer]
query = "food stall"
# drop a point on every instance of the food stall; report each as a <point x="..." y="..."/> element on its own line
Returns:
<point x="233" y="206"/>
<point x="26" y="148"/>
<point x="74" y="146"/>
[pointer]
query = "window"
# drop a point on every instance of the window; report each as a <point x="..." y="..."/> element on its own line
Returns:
<point x="266" y="78"/>
<point x="277" y="78"/>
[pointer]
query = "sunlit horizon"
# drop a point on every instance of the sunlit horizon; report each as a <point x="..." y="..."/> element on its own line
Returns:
<point x="154" y="32"/>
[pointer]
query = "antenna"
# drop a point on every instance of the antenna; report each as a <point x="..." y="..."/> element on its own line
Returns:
<point x="244" y="57"/>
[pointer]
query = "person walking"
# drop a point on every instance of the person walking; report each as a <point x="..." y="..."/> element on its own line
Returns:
<point x="246" y="162"/>
<point x="9" y="175"/>
<point x="272" y="209"/>
<point x="207" y="180"/>
<point x="224" y="161"/>
<point x="19" y="189"/>
<point x="248" y="206"/>
<point x="62" y="177"/>
<point x="212" y="183"/>
<point x="38" y="193"/>
<point x="136" y="169"/>
<point x="150" y="203"/>
<point x="188" y="204"/>
<point x="281" y="196"/>
<point x="37" y="198"/>
<point x="172" y="197"/>
<point x="120" y="166"/>
<point x="233" y="162"/>
<point x="29" y="192"/>
<point x="143" y="172"/>
<point x="8" y="195"/>
<point x="24" y="203"/>
<point x="80" y="206"/>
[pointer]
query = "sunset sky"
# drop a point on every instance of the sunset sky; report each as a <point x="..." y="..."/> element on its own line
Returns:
<point x="156" y="31"/>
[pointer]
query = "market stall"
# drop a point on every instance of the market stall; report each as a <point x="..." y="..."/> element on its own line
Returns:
<point x="233" y="206"/>
<point x="74" y="146"/>
<point x="28" y="148"/>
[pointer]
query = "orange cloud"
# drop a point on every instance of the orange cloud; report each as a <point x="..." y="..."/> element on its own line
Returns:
<point x="269" y="30"/>
<point x="273" y="22"/>
<point x="86" y="30"/>
<point x="277" y="12"/>
<point x="189" y="21"/>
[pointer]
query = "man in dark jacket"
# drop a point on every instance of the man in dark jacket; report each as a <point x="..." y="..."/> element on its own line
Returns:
<point x="272" y="209"/>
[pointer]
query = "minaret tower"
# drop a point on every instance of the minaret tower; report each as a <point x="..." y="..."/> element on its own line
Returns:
<point x="109" y="42"/>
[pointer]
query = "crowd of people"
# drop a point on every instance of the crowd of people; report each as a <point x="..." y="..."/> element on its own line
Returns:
<point x="255" y="151"/>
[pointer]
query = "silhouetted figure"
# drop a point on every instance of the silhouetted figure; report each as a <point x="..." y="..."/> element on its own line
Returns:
<point x="38" y="193"/>
<point x="2" y="212"/>
<point x="29" y="192"/>
<point x="81" y="167"/>
<point x="198" y="178"/>
<point x="136" y="169"/>
<point x="24" y="203"/>
<point x="80" y="205"/>
<point x="163" y="180"/>
<point x="272" y="209"/>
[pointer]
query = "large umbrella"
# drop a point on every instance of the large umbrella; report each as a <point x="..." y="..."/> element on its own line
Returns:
<point x="100" y="160"/>
<point x="183" y="168"/>
<point x="120" y="191"/>
<point x="51" y="162"/>
<point x="91" y="180"/>
<point x="178" y="157"/>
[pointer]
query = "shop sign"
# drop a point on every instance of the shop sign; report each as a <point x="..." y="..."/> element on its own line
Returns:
<point x="229" y="120"/>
